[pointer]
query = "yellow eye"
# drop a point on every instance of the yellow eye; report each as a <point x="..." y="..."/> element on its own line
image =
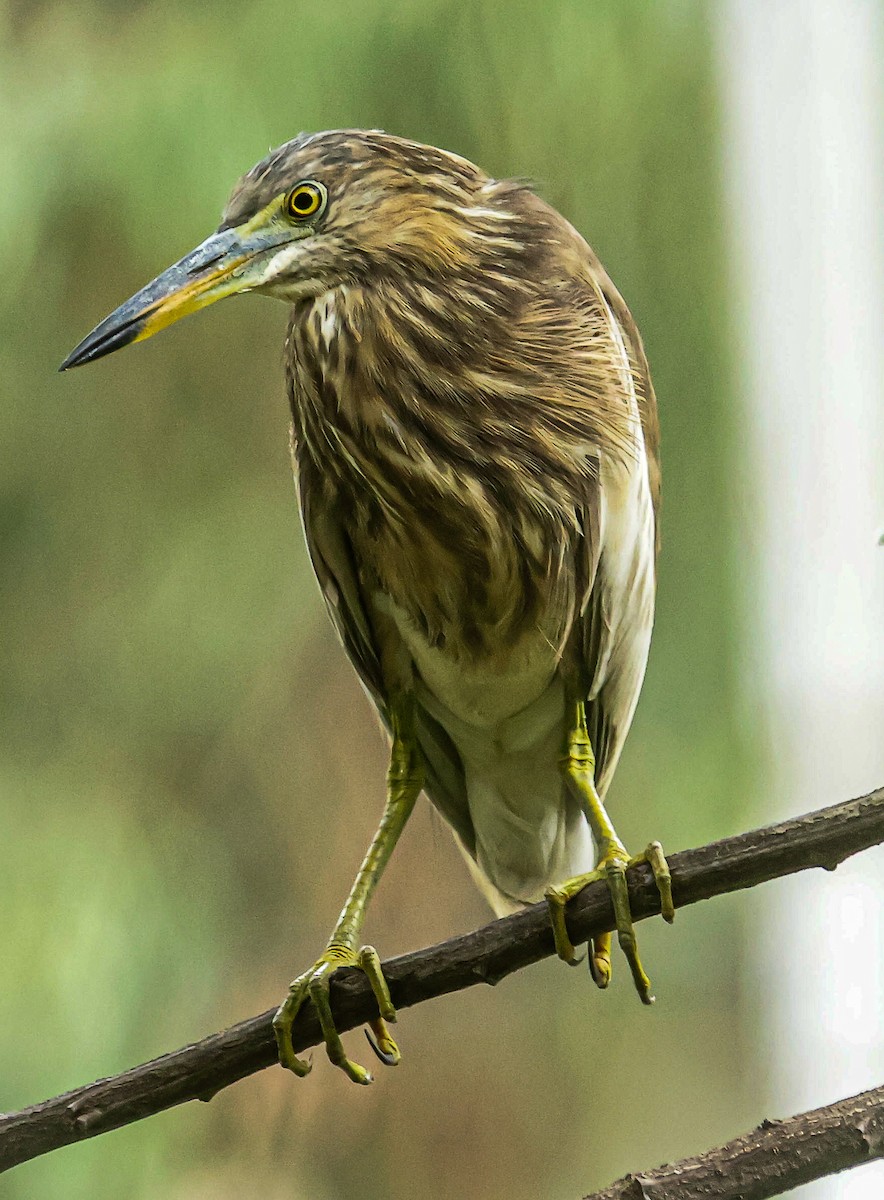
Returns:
<point x="305" y="200"/>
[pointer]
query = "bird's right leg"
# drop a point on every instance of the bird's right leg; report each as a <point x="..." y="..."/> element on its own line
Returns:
<point x="405" y="779"/>
<point x="578" y="765"/>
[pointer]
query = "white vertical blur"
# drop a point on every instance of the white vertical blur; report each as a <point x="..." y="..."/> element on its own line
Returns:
<point x="802" y="153"/>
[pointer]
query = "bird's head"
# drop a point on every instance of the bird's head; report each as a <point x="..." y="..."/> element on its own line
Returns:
<point x="325" y="209"/>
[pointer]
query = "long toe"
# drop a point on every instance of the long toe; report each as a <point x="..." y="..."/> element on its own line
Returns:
<point x="656" y="859"/>
<point x="614" y="866"/>
<point x="557" y="898"/>
<point x="283" y="1023"/>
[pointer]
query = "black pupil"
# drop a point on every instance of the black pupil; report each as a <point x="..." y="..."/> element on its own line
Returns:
<point x="303" y="201"/>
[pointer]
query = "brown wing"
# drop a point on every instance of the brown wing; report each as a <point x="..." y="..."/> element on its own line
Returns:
<point x="334" y="564"/>
<point x="610" y="669"/>
<point x="641" y="377"/>
<point x="335" y="567"/>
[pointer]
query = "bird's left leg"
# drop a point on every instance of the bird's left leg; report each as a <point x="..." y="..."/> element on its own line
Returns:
<point x="578" y="764"/>
<point x="405" y="779"/>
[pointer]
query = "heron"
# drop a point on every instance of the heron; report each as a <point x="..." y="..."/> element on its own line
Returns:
<point x="476" y="448"/>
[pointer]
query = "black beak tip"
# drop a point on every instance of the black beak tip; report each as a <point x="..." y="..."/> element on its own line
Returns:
<point x="100" y="342"/>
<point x="81" y="354"/>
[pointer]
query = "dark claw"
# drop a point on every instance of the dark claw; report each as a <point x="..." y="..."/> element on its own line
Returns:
<point x="387" y="1059"/>
<point x="599" y="979"/>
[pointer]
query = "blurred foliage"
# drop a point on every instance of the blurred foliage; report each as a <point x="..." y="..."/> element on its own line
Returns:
<point x="188" y="769"/>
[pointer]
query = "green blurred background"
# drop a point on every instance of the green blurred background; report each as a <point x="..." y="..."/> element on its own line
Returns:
<point x="189" y="771"/>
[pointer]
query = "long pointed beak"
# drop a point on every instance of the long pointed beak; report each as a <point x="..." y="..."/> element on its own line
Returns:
<point x="220" y="266"/>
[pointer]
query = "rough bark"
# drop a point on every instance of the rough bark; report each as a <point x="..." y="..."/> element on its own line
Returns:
<point x="772" y="1159"/>
<point x="820" y="839"/>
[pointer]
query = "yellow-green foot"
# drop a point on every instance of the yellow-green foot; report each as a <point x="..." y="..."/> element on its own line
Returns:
<point x="315" y="985"/>
<point x="612" y="867"/>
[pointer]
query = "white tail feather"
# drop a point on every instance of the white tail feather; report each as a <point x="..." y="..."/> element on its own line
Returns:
<point x="530" y="833"/>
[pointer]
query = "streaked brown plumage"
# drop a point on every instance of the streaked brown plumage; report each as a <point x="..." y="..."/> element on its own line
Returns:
<point x="476" y="446"/>
<point x="454" y="396"/>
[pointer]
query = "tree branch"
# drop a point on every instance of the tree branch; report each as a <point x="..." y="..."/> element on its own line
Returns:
<point x="772" y="1159"/>
<point x="821" y="839"/>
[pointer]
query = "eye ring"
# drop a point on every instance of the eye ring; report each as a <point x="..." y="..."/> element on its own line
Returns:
<point x="306" y="200"/>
